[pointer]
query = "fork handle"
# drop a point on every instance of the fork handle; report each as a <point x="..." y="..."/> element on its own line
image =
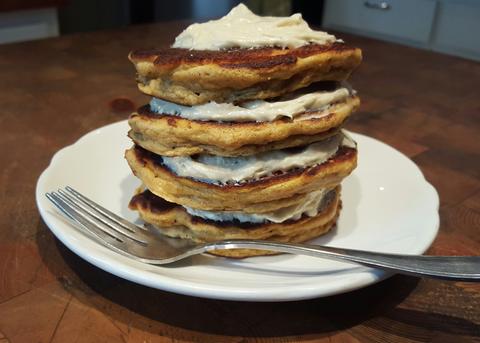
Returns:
<point x="458" y="268"/>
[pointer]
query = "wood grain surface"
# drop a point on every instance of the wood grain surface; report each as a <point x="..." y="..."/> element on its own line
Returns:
<point x="53" y="91"/>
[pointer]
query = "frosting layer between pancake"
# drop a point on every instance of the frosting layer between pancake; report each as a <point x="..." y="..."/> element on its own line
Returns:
<point x="309" y="207"/>
<point x="221" y="170"/>
<point x="299" y="104"/>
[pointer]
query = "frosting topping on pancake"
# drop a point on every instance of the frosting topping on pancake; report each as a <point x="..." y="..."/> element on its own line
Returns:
<point x="310" y="207"/>
<point x="220" y="169"/>
<point x="241" y="28"/>
<point x="256" y="110"/>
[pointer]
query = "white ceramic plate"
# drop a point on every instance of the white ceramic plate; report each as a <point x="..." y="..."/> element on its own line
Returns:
<point x="388" y="207"/>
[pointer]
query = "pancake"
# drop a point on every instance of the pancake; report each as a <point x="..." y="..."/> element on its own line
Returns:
<point x="171" y="135"/>
<point x="243" y="137"/>
<point x="269" y="190"/>
<point x="193" y="77"/>
<point x="174" y="221"/>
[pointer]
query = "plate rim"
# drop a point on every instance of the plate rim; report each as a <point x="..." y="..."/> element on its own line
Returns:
<point x="169" y="283"/>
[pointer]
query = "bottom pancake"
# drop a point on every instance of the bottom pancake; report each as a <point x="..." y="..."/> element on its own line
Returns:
<point x="174" y="221"/>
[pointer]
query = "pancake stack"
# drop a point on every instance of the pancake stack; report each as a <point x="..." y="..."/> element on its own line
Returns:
<point x="243" y="140"/>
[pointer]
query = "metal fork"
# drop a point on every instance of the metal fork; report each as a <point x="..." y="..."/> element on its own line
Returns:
<point x="148" y="245"/>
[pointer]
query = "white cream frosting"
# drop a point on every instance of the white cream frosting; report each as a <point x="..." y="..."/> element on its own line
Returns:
<point x="219" y="169"/>
<point x="241" y="28"/>
<point x="310" y="207"/>
<point x="301" y="103"/>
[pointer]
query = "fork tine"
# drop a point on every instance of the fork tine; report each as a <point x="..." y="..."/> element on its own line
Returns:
<point x="90" y="214"/>
<point x="108" y="214"/>
<point x="99" y="232"/>
<point x="55" y="201"/>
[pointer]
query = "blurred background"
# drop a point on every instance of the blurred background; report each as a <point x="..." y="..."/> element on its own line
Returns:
<point x="447" y="26"/>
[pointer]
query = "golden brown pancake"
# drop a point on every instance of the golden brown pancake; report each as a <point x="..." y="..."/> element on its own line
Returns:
<point x="192" y="77"/>
<point x="267" y="191"/>
<point x="171" y="135"/>
<point x="174" y="221"/>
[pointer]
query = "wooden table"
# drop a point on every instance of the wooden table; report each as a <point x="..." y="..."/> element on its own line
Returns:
<point x="53" y="91"/>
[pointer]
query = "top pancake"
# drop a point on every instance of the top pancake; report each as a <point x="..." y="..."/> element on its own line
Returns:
<point x="193" y="77"/>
